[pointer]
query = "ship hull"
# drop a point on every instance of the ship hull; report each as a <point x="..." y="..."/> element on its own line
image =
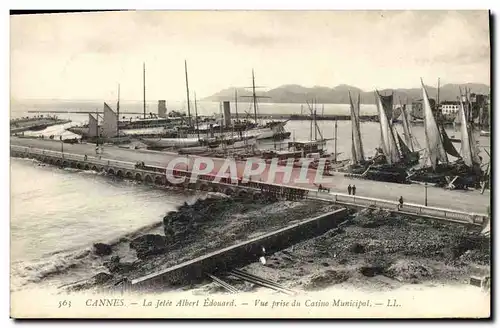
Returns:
<point x="170" y="142"/>
<point x="445" y="173"/>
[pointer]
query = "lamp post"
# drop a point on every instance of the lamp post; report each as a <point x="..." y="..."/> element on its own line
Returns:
<point x="62" y="146"/>
<point x="426" y="194"/>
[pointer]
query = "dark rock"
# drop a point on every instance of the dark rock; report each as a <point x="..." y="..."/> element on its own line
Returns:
<point x="115" y="266"/>
<point x="119" y="267"/>
<point x="326" y="278"/>
<point x="405" y="270"/>
<point x="100" y="278"/>
<point x="357" y="248"/>
<point x="371" y="271"/>
<point x="102" y="249"/>
<point x="149" y="244"/>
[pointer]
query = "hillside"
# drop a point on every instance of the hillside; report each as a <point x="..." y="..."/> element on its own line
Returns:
<point x="293" y="93"/>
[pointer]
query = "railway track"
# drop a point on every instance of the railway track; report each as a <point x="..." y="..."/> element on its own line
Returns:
<point x="256" y="280"/>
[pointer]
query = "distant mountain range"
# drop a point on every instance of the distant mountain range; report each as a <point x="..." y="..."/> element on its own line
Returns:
<point x="293" y="93"/>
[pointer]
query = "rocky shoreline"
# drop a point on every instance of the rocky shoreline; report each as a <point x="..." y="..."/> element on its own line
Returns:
<point x="193" y="230"/>
<point x="380" y="250"/>
<point x="374" y="249"/>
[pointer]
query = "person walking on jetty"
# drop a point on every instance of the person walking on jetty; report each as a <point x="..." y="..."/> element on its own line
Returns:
<point x="349" y="188"/>
<point x="400" y="206"/>
<point x="354" y="189"/>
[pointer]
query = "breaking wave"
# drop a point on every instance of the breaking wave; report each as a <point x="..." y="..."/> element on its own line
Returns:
<point x="81" y="260"/>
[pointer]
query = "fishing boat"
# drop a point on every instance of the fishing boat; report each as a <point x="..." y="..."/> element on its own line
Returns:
<point x="38" y="127"/>
<point x="162" y="143"/>
<point x="228" y="145"/>
<point x="462" y="173"/>
<point x="484" y="133"/>
<point x="394" y="156"/>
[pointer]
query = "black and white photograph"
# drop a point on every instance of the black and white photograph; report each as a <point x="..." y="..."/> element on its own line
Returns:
<point x="250" y="164"/>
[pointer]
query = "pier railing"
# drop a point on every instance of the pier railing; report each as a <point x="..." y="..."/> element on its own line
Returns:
<point x="338" y="198"/>
<point x="406" y="208"/>
<point x="75" y="157"/>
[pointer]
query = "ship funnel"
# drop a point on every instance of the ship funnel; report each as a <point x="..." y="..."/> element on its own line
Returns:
<point x="162" y="108"/>
<point x="227" y="113"/>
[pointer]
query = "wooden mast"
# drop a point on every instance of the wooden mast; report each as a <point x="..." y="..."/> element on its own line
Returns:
<point x="97" y="127"/>
<point x="236" y="103"/>
<point x="254" y="97"/>
<point x="144" y="88"/>
<point x="311" y="125"/>
<point x="437" y="100"/>
<point x="187" y="93"/>
<point x="335" y="140"/>
<point x="118" y="113"/>
<point x="196" y="117"/>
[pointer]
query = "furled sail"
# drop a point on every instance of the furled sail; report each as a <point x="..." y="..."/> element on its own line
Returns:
<point x="358" y="120"/>
<point x="466" y="145"/>
<point x="387" y="103"/>
<point x="396" y="113"/>
<point x="406" y="127"/>
<point x="470" y="153"/>
<point x="405" y="151"/>
<point x="357" y="147"/>
<point x="448" y="145"/>
<point x="388" y="141"/>
<point x="474" y="148"/>
<point x="435" y="147"/>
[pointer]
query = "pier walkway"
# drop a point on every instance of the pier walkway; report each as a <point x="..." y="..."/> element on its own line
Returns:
<point x="367" y="193"/>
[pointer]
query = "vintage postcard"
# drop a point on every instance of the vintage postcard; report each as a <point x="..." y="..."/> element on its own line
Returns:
<point x="250" y="164"/>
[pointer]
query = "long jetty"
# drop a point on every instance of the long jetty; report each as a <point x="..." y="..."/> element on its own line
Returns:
<point x="442" y="204"/>
<point x="269" y="116"/>
<point x="35" y="123"/>
<point x="242" y="253"/>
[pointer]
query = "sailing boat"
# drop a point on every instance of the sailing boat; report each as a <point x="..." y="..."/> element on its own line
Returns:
<point x="392" y="158"/>
<point x="162" y="143"/>
<point x="270" y="130"/>
<point x="465" y="171"/>
<point x="358" y="162"/>
<point x="312" y="148"/>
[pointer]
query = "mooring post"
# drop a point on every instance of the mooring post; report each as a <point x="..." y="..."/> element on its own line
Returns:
<point x="425" y="194"/>
<point x="62" y="146"/>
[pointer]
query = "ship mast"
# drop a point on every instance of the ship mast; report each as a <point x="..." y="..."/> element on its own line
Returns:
<point x="97" y="127"/>
<point x="315" y="126"/>
<point x="187" y="93"/>
<point x="437" y="101"/>
<point x="311" y="127"/>
<point x="236" y="103"/>
<point x="118" y="113"/>
<point x="144" y="88"/>
<point x="254" y="97"/>
<point x="335" y="158"/>
<point x="196" y="117"/>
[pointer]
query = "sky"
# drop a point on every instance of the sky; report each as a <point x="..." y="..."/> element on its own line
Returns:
<point x="85" y="55"/>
